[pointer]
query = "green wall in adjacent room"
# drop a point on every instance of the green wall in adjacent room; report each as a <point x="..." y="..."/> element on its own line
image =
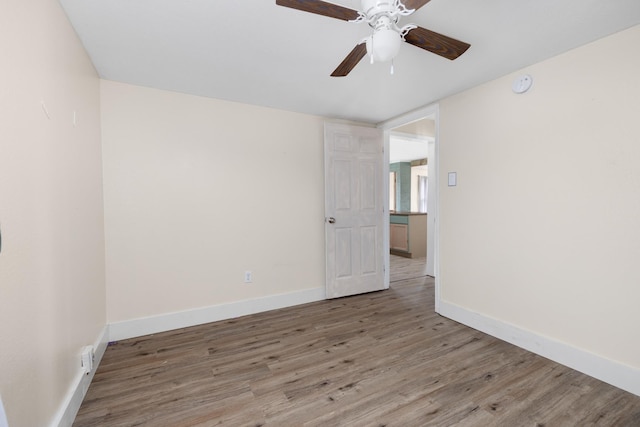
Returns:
<point x="403" y="185"/>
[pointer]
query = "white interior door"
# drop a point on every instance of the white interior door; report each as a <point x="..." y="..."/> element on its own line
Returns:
<point x="354" y="209"/>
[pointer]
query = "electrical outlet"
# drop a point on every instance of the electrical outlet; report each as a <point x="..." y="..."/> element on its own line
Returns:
<point x="248" y="277"/>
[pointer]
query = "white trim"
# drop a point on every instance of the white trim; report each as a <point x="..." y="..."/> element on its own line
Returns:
<point x="385" y="204"/>
<point x="3" y="415"/>
<point x="169" y="321"/>
<point x="410" y="136"/>
<point x="73" y="399"/>
<point x="411" y="116"/>
<point x="149" y="325"/>
<point x="436" y="223"/>
<point x="388" y="126"/>
<point x="614" y="373"/>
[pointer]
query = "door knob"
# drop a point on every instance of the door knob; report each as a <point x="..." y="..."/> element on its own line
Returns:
<point x="331" y="220"/>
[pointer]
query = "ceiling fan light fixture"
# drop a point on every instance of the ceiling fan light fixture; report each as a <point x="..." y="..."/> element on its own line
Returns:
<point x="383" y="16"/>
<point x="384" y="45"/>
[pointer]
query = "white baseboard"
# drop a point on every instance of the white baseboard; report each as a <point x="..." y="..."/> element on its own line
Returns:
<point x="166" y="322"/>
<point x="614" y="373"/>
<point x="149" y="325"/>
<point x="72" y="401"/>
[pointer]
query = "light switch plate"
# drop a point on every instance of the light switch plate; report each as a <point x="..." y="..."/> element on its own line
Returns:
<point x="453" y="179"/>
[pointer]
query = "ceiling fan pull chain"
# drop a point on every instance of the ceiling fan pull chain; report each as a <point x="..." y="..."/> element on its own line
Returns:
<point x="392" y="67"/>
<point x="371" y="51"/>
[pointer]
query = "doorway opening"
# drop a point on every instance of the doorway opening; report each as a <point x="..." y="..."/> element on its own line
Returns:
<point x="412" y="163"/>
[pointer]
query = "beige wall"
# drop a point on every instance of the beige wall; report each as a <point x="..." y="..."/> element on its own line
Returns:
<point x="544" y="219"/>
<point x="52" y="290"/>
<point x="197" y="191"/>
<point x="542" y="230"/>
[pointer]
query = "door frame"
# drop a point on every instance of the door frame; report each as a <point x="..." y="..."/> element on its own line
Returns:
<point x="432" y="110"/>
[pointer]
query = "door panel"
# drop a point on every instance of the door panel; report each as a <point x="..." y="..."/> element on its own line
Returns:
<point x="354" y="198"/>
<point x="342" y="185"/>
<point x="343" y="262"/>
<point x="369" y="244"/>
<point x="368" y="172"/>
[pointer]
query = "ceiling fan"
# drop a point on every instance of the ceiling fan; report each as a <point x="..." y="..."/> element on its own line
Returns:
<point x="384" y="42"/>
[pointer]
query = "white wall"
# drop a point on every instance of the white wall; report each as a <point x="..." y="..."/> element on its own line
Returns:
<point x="542" y="231"/>
<point x="52" y="288"/>
<point x="197" y="191"/>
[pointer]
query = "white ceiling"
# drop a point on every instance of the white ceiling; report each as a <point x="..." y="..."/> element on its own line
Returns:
<point x="406" y="149"/>
<point x="255" y="52"/>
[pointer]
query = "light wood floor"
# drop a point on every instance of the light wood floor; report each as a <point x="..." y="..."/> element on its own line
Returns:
<point x="406" y="268"/>
<point x="380" y="359"/>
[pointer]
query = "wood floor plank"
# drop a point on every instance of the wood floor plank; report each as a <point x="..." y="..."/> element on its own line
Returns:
<point x="384" y="358"/>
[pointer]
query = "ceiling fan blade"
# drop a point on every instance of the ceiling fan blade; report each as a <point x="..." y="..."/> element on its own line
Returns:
<point x="350" y="61"/>
<point x="436" y="43"/>
<point x="415" y="4"/>
<point x="321" y="8"/>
